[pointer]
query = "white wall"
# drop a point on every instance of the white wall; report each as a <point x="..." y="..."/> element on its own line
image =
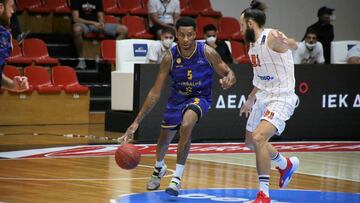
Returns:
<point x="294" y="16"/>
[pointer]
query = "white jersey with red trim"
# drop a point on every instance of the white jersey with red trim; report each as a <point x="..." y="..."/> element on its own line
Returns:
<point x="273" y="71"/>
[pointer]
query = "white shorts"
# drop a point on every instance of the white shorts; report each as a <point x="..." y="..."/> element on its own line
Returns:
<point x="275" y="109"/>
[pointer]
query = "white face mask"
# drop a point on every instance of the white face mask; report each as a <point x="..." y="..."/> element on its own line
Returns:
<point x="310" y="46"/>
<point x="211" y="40"/>
<point x="167" y="42"/>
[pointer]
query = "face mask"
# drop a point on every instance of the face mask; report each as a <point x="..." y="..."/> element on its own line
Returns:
<point x="333" y="17"/>
<point x="211" y="39"/>
<point x="310" y="46"/>
<point x="167" y="42"/>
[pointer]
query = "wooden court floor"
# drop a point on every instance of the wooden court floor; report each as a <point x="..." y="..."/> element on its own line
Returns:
<point x="99" y="179"/>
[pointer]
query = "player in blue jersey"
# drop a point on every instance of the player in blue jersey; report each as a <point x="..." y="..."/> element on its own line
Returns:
<point x="190" y="65"/>
<point x="18" y="84"/>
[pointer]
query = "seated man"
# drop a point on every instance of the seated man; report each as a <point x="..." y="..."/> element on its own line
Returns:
<point x="309" y="51"/>
<point x="219" y="45"/>
<point x="354" y="55"/>
<point x="162" y="13"/>
<point x="88" y="17"/>
<point x="158" y="49"/>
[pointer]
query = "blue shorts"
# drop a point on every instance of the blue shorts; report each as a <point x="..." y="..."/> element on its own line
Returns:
<point x="174" y="111"/>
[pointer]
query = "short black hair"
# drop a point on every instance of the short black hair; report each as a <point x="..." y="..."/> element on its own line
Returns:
<point x="185" y="22"/>
<point x="310" y="31"/>
<point x="256" y="11"/>
<point x="168" y="30"/>
<point x="209" y="27"/>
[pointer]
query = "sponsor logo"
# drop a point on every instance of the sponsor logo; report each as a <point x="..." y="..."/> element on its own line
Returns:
<point x="340" y="101"/>
<point x="140" y="50"/>
<point x="265" y="77"/>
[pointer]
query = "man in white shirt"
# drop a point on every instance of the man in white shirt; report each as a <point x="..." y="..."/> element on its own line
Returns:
<point x="158" y="48"/>
<point x="354" y="55"/>
<point x="309" y="51"/>
<point x="162" y="13"/>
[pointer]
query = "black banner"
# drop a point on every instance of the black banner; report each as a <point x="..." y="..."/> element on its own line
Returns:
<point x="329" y="105"/>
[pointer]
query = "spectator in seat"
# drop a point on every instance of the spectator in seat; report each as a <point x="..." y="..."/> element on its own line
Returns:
<point x="158" y="48"/>
<point x="88" y="17"/>
<point x="354" y="55"/>
<point x="162" y="13"/>
<point x="19" y="83"/>
<point x="309" y="51"/>
<point x="324" y="30"/>
<point x="210" y="34"/>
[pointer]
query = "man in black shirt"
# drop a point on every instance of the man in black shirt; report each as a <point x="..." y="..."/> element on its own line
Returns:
<point x="324" y="30"/>
<point x="220" y="46"/>
<point x="88" y="17"/>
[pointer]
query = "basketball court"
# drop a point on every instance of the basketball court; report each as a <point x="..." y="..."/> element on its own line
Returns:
<point x="75" y="163"/>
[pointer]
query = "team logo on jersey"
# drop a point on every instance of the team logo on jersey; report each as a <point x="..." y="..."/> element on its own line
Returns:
<point x="178" y="60"/>
<point x="263" y="40"/>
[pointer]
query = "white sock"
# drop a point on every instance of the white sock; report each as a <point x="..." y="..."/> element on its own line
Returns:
<point x="159" y="164"/>
<point x="179" y="170"/>
<point x="280" y="161"/>
<point x="264" y="184"/>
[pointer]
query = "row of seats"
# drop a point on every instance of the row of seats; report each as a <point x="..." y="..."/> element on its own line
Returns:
<point x="32" y="51"/>
<point x="228" y="27"/>
<point x="117" y="7"/>
<point x="62" y="78"/>
<point x="238" y="50"/>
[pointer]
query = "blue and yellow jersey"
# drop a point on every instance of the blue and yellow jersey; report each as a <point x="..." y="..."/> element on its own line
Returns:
<point x="191" y="76"/>
<point x="5" y="47"/>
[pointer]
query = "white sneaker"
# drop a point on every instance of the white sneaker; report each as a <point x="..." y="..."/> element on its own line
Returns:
<point x="82" y="64"/>
<point x="154" y="181"/>
<point x="174" y="187"/>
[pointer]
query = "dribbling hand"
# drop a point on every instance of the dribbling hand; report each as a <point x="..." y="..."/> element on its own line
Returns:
<point x="226" y="82"/>
<point x="129" y="134"/>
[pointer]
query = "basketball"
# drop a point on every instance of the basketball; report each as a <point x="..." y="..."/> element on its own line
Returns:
<point x="127" y="156"/>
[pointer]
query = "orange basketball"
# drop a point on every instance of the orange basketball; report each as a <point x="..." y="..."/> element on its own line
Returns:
<point x="127" y="156"/>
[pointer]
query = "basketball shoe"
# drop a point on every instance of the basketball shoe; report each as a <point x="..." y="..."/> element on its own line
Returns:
<point x="174" y="186"/>
<point x="154" y="181"/>
<point x="262" y="198"/>
<point x="286" y="174"/>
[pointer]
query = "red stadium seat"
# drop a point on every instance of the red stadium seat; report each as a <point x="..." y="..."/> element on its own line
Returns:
<point x="186" y="10"/>
<point x="204" y="7"/>
<point x="30" y="5"/>
<point x="39" y="79"/>
<point x="110" y="19"/>
<point x="65" y="77"/>
<point x="108" y="50"/>
<point x="229" y="29"/>
<point x="136" y="27"/>
<point x="36" y="50"/>
<point x="239" y="52"/>
<point x="112" y="7"/>
<point x="10" y="72"/>
<point x="201" y="22"/>
<point x="58" y="6"/>
<point x="133" y="7"/>
<point x="17" y="56"/>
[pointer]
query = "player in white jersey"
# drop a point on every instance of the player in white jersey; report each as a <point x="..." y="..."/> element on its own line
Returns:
<point x="273" y="100"/>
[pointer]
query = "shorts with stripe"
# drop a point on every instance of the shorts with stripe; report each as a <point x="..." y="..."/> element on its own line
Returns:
<point x="275" y="109"/>
<point x="174" y="111"/>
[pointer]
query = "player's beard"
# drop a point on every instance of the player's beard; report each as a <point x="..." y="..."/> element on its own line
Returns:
<point x="4" y="19"/>
<point x="249" y="35"/>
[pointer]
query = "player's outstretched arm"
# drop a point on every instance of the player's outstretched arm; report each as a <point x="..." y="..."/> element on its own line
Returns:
<point x="280" y="43"/>
<point x="151" y="99"/>
<point x="228" y="77"/>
